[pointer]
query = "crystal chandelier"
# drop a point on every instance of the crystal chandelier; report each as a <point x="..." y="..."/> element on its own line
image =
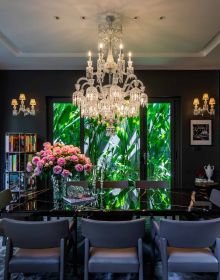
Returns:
<point x="113" y="91"/>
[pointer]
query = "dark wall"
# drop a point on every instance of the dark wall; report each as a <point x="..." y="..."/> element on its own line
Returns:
<point x="183" y="84"/>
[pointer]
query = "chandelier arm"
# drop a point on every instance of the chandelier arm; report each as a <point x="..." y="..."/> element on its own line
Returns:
<point x="84" y="84"/>
<point x="130" y="76"/>
<point x="81" y="79"/>
<point x="137" y="81"/>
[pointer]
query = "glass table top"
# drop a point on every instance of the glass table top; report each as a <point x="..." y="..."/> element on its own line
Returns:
<point x="139" y="201"/>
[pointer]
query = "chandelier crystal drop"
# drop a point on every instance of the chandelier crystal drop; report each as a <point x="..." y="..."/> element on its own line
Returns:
<point x="113" y="91"/>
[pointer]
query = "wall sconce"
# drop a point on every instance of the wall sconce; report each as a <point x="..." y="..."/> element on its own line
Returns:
<point x="208" y="106"/>
<point x="22" y="109"/>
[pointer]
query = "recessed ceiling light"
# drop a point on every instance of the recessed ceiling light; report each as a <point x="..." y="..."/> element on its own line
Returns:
<point x="162" y="17"/>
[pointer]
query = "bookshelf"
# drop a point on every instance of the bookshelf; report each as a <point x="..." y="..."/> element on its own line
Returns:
<point x="19" y="149"/>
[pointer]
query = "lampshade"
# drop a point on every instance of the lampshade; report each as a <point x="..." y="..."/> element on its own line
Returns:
<point x="212" y="101"/>
<point x="33" y="102"/>
<point x="205" y="96"/>
<point x="14" y="102"/>
<point x="196" y="101"/>
<point x="22" y="97"/>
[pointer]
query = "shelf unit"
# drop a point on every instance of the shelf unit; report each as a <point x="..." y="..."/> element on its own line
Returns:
<point x="19" y="149"/>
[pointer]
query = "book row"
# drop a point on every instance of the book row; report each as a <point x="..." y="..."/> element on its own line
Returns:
<point x="20" y="143"/>
<point x="17" y="162"/>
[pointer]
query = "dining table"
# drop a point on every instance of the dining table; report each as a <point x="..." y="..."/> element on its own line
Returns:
<point x="135" y="201"/>
<point x="111" y="204"/>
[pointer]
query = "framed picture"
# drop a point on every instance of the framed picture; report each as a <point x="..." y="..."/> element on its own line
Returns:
<point x="201" y="132"/>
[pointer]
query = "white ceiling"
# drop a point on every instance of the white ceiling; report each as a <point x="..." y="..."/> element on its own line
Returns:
<point x="31" y="37"/>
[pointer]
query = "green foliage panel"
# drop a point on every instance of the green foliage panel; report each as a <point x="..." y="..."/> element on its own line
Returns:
<point x="159" y="152"/>
<point x="120" y="154"/>
<point x="66" y="124"/>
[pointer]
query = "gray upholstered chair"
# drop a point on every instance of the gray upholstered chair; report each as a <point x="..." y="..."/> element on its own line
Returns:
<point x="113" y="246"/>
<point x="5" y="199"/>
<point x="41" y="246"/>
<point x="186" y="246"/>
<point x="215" y="197"/>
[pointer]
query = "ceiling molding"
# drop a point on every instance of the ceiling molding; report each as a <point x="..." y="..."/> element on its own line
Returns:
<point x="209" y="47"/>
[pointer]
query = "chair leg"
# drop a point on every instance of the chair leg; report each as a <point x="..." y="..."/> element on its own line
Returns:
<point x="141" y="275"/>
<point x="7" y="275"/>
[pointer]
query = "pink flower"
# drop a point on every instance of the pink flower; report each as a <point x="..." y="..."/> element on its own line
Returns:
<point x="66" y="173"/>
<point x="44" y="160"/>
<point x="61" y="161"/>
<point x="79" y="167"/>
<point x="82" y="158"/>
<point x="57" y="169"/>
<point x="87" y="167"/>
<point x="51" y="158"/>
<point x="40" y="164"/>
<point x="57" y="151"/>
<point x="37" y="171"/>
<point x="47" y="145"/>
<point x="35" y="160"/>
<point x="65" y="149"/>
<point x="74" y="158"/>
<point x="42" y="153"/>
<point x="29" y="167"/>
<point x="87" y="160"/>
<point x="48" y="152"/>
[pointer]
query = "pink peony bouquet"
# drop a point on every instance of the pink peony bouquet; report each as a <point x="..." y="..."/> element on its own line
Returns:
<point x="59" y="160"/>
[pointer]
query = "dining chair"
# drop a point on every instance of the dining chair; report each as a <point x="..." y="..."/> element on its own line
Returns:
<point x="215" y="197"/>
<point x="189" y="246"/>
<point x="113" y="246"/>
<point x="113" y="184"/>
<point x="152" y="184"/>
<point x="5" y="199"/>
<point x="40" y="247"/>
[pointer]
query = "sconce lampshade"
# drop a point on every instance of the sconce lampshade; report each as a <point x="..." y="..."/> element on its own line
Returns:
<point x="212" y="101"/>
<point x="14" y="102"/>
<point x="196" y="101"/>
<point x="22" y="97"/>
<point x="205" y="96"/>
<point x="33" y="102"/>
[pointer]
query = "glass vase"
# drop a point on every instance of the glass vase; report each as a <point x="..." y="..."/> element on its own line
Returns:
<point x="59" y="190"/>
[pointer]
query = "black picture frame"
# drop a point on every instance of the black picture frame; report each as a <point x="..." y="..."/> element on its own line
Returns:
<point x="201" y="132"/>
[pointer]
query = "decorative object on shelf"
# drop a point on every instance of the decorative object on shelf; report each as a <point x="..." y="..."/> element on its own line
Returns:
<point x="208" y="105"/>
<point x="22" y="109"/>
<point x="113" y="91"/>
<point x="209" y="171"/>
<point x="60" y="162"/>
<point x="201" y="132"/>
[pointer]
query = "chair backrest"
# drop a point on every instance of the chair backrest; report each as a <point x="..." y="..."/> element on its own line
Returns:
<point x="215" y="197"/>
<point x="152" y="184"/>
<point x="36" y="235"/>
<point x="109" y="234"/>
<point x="83" y="184"/>
<point x="5" y="198"/>
<point x="113" y="184"/>
<point x="190" y="234"/>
